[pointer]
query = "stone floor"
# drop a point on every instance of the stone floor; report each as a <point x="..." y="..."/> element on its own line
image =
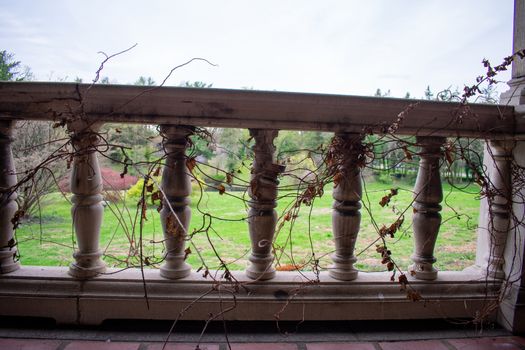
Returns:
<point x="152" y="335"/>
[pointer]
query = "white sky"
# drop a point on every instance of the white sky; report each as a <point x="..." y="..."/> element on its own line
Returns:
<point x="344" y="47"/>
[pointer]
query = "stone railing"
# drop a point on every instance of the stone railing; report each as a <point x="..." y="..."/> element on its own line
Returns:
<point x="88" y="292"/>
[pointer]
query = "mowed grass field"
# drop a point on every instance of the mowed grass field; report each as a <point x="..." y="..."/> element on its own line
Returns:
<point x="219" y="227"/>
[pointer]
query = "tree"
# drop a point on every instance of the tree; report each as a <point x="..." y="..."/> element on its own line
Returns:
<point x="196" y="84"/>
<point x="428" y="93"/>
<point x="143" y="81"/>
<point x="11" y="69"/>
<point x="379" y="93"/>
<point x="32" y="145"/>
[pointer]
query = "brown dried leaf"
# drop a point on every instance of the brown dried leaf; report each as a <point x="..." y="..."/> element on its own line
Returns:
<point x="403" y="279"/>
<point x="149" y="188"/>
<point x="11" y="243"/>
<point x="408" y="155"/>
<point x="337" y="179"/>
<point x="17" y="217"/>
<point x="221" y="189"/>
<point x="156" y="196"/>
<point x="229" y="178"/>
<point x="413" y="295"/>
<point x="187" y="252"/>
<point x="384" y="201"/>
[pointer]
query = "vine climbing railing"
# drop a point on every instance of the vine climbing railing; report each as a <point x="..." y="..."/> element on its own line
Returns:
<point x="89" y="292"/>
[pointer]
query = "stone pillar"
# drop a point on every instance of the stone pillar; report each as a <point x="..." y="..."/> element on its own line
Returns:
<point x="263" y="193"/>
<point x="512" y="309"/>
<point x="499" y="205"/>
<point x="346" y="217"/>
<point x="176" y="213"/>
<point x="428" y="193"/>
<point x="517" y="82"/>
<point x="8" y="206"/>
<point x="87" y="210"/>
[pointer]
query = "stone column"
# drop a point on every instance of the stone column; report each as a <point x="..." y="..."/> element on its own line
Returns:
<point x="346" y="217"/>
<point x="87" y="210"/>
<point x="8" y="206"/>
<point x="175" y="214"/>
<point x="512" y="309"/>
<point x="428" y="194"/>
<point x="499" y="205"/>
<point x="517" y="82"/>
<point x="263" y="193"/>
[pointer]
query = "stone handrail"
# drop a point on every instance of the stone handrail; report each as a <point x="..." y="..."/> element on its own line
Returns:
<point x="253" y="109"/>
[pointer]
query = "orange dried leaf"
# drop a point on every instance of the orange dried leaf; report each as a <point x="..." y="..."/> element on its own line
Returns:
<point x="221" y="189"/>
<point x="191" y="163"/>
<point x="288" y="267"/>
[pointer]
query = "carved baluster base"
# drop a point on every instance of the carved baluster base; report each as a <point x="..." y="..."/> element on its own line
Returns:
<point x="423" y="271"/>
<point x="87" y="265"/>
<point x="174" y="266"/>
<point x="87" y="213"/>
<point x="7" y="254"/>
<point x="261" y="259"/>
<point x="343" y="269"/>
<point x="345" y="223"/>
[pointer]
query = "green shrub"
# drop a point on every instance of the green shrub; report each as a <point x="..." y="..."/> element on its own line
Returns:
<point x="135" y="191"/>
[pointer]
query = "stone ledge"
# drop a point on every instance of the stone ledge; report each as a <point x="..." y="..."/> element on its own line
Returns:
<point x="50" y="292"/>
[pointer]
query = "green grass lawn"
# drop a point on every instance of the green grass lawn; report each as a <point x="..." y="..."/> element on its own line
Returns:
<point x="50" y="239"/>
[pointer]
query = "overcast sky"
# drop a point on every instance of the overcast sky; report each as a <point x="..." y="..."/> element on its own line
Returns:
<point x="344" y="47"/>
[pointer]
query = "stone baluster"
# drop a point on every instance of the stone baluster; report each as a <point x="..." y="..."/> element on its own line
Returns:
<point x="262" y="215"/>
<point x="176" y="213"/>
<point x="87" y="210"/>
<point x="428" y="194"/>
<point x="346" y="217"/>
<point x="8" y="206"/>
<point x="500" y="206"/>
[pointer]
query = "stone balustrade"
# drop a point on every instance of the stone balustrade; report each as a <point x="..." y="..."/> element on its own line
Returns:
<point x="178" y="111"/>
